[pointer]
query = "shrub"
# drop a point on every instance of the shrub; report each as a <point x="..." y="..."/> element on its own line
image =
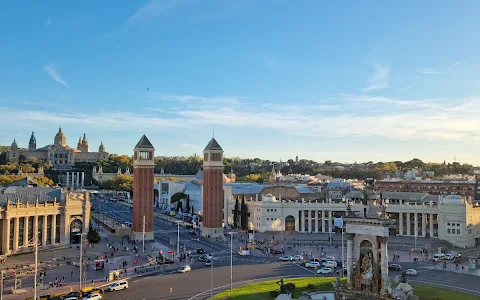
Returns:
<point x="273" y="294"/>
<point x="93" y="237"/>
<point x="290" y="286"/>
<point x="310" y="286"/>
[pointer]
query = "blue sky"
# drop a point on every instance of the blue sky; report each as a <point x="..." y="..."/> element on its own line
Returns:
<point x="340" y="80"/>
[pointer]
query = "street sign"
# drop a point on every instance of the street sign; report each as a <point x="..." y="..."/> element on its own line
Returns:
<point x="170" y="252"/>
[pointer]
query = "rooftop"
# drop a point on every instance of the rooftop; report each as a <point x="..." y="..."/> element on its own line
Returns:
<point x="213" y="145"/>
<point x="144" y="143"/>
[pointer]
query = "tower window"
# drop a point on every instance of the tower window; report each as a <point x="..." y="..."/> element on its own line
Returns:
<point x="205" y="157"/>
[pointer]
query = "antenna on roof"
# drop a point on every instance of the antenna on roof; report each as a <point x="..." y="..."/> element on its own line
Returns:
<point x="213" y="133"/>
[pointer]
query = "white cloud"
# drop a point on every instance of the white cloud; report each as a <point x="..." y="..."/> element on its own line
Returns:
<point x="429" y="71"/>
<point x="152" y="10"/>
<point x="379" y="80"/>
<point x="405" y="88"/>
<point x="52" y="72"/>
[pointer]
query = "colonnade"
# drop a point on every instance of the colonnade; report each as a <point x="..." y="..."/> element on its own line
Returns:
<point x="77" y="179"/>
<point x="313" y="225"/>
<point x="407" y="218"/>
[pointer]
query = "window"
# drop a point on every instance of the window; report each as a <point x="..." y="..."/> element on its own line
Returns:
<point x="458" y="231"/>
<point x="448" y="230"/>
<point x="205" y="157"/>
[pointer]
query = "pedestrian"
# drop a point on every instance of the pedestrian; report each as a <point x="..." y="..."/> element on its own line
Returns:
<point x="71" y="274"/>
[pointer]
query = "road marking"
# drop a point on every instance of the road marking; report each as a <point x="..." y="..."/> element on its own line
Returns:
<point x="451" y="287"/>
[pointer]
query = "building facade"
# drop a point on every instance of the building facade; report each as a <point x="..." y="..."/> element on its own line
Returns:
<point x="53" y="216"/>
<point x="213" y="190"/>
<point x="59" y="153"/>
<point x="143" y="199"/>
<point x="433" y="187"/>
<point x="452" y="218"/>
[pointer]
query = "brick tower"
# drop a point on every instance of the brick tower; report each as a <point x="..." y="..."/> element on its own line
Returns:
<point x="212" y="190"/>
<point x="143" y="178"/>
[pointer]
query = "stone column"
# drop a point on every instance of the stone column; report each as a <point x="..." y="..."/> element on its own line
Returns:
<point x="324" y="229"/>
<point x="400" y="225"/>
<point x="302" y="220"/>
<point x="68" y="179"/>
<point x="329" y="221"/>
<point x="424" y="223"/>
<point x="350" y="274"/>
<point x="6" y="235"/>
<point x="25" y="231"/>
<point x="316" y="220"/>
<point x="297" y="223"/>
<point x="309" y="221"/>
<point x="78" y="179"/>
<point x="431" y="225"/>
<point x="384" y="265"/>
<point x="44" y="231"/>
<point x="83" y="181"/>
<point x="415" y="223"/>
<point x="16" y="233"/>
<point x="408" y="225"/>
<point x="35" y="230"/>
<point x="54" y="229"/>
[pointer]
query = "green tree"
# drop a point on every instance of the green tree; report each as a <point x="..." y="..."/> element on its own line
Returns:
<point x="387" y="167"/>
<point x="93" y="237"/>
<point x="235" y="213"/>
<point x="119" y="183"/>
<point x="177" y="197"/>
<point x="244" y="214"/>
<point x="187" y="206"/>
<point x="328" y="162"/>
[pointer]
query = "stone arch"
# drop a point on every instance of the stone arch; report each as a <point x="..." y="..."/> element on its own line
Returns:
<point x="76" y="229"/>
<point x="290" y="223"/>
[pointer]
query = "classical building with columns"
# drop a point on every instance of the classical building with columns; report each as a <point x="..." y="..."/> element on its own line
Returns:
<point x="452" y="218"/>
<point x="56" y="215"/>
<point x="62" y="156"/>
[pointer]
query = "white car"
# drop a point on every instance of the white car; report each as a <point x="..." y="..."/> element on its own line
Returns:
<point x="325" y="271"/>
<point x="330" y="264"/>
<point x="286" y="258"/>
<point x="297" y="257"/>
<point x="448" y="256"/>
<point x="411" y="272"/>
<point x="92" y="297"/>
<point x="184" y="269"/>
<point x="70" y="298"/>
<point x="312" y="264"/>
<point x="328" y="258"/>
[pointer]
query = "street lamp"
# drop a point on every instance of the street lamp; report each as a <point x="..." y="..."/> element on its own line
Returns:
<point x="211" y="278"/>
<point x="1" y="287"/>
<point x="231" y="259"/>
<point x="81" y="260"/>
<point x="178" y="238"/>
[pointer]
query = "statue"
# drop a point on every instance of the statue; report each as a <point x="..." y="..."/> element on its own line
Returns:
<point x="404" y="277"/>
<point x="367" y="268"/>
<point x="283" y="290"/>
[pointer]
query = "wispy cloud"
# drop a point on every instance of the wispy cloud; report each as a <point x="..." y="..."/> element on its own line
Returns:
<point x="48" y="22"/>
<point x="404" y="88"/>
<point x="151" y="10"/>
<point x="429" y="71"/>
<point x="379" y="80"/>
<point x="464" y="61"/>
<point x="191" y="146"/>
<point x="52" y="72"/>
<point x="226" y="100"/>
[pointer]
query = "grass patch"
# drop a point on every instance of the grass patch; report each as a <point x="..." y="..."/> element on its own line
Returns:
<point x="261" y="290"/>
<point x="427" y="292"/>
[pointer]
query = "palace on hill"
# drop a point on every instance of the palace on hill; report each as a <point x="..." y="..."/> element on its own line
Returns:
<point x="59" y="153"/>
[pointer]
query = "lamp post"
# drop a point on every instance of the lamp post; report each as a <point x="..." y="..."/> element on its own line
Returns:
<point x="231" y="259"/>
<point x="81" y="260"/>
<point x="1" y="287"/>
<point x="36" y="267"/>
<point x="211" y="278"/>
<point x="178" y="238"/>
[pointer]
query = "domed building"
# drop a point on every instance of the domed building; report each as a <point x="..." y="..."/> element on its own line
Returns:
<point x="61" y="155"/>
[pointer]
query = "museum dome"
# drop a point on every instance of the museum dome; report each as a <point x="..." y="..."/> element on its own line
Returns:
<point x="14" y="145"/>
<point x="60" y="139"/>
<point x="453" y="200"/>
<point x="269" y="198"/>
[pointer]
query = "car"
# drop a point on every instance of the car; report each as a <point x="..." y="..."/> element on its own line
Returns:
<point x="330" y="264"/>
<point x="184" y="269"/>
<point x="395" y="267"/>
<point x="315" y="259"/>
<point x="345" y="272"/>
<point x="208" y="262"/>
<point x="92" y="297"/>
<point x="297" y="257"/>
<point x="312" y="264"/>
<point x="117" y="286"/>
<point x="201" y="251"/>
<point x="277" y="251"/>
<point x="70" y="298"/>
<point x="327" y="258"/>
<point x="285" y="258"/>
<point x="72" y="295"/>
<point x="412" y="272"/>
<point x="339" y="263"/>
<point x="449" y="256"/>
<point x="192" y="231"/>
<point x="325" y="271"/>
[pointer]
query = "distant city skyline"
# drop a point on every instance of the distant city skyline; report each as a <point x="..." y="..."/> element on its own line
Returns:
<point x="340" y="81"/>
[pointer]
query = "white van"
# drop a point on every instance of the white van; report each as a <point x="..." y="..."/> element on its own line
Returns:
<point x="439" y="256"/>
<point x="117" y="286"/>
<point x="244" y="253"/>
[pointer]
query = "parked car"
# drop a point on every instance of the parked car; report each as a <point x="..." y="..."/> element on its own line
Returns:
<point x="184" y="269"/>
<point x="315" y="259"/>
<point x="312" y="264"/>
<point x="412" y="272"/>
<point x="330" y="264"/>
<point x="72" y="294"/>
<point x="297" y="257"/>
<point x="395" y="267"/>
<point x="244" y="253"/>
<point x="208" y="263"/>
<point x="201" y="251"/>
<point x="327" y="258"/>
<point x="93" y="297"/>
<point x="325" y="271"/>
<point x="448" y="256"/>
<point x="117" y="286"/>
<point x="285" y="258"/>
